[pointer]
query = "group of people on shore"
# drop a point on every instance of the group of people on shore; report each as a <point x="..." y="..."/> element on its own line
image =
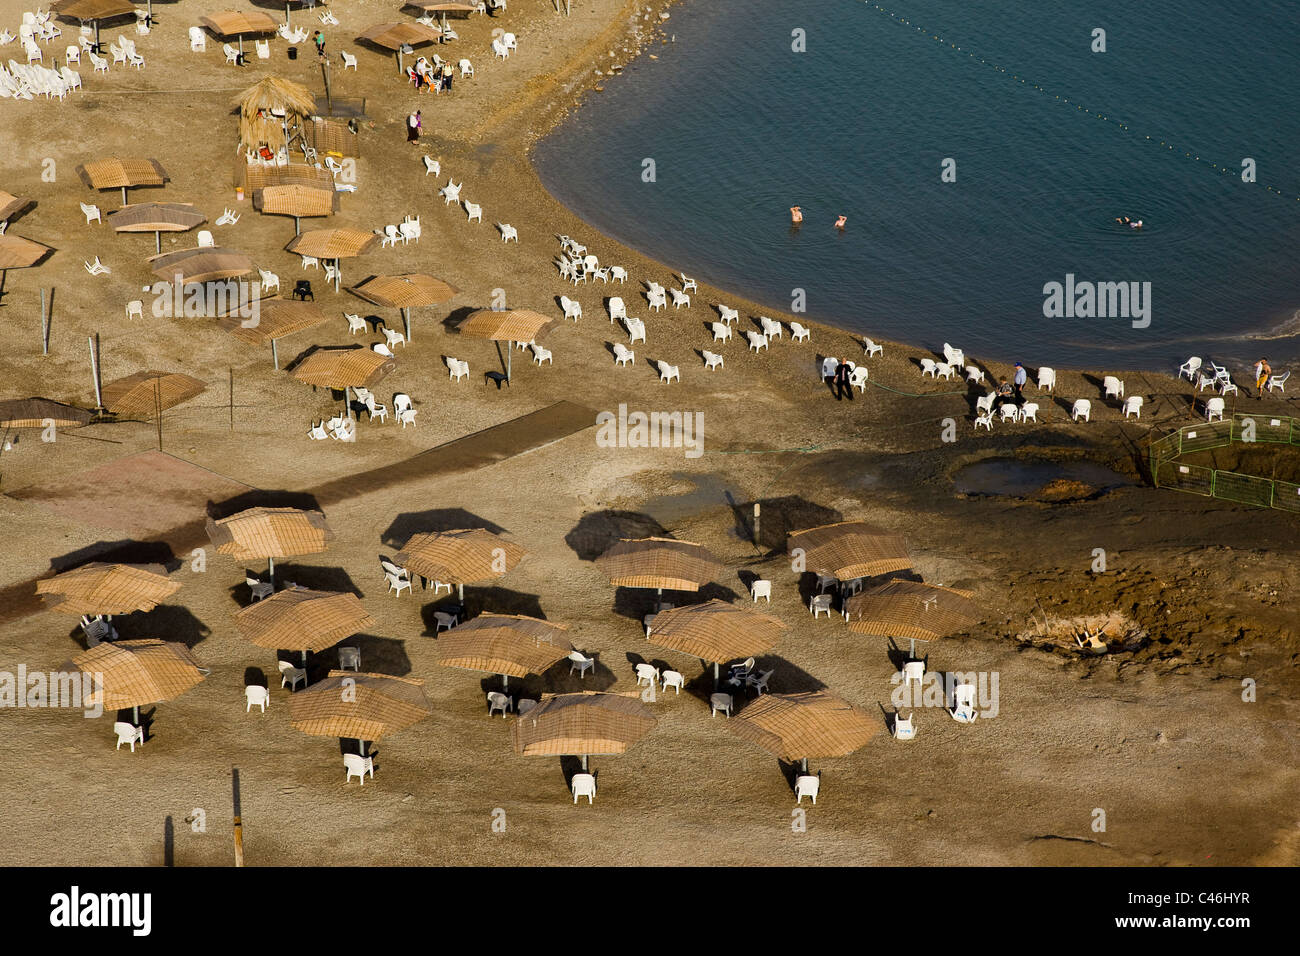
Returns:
<point x="431" y="76"/>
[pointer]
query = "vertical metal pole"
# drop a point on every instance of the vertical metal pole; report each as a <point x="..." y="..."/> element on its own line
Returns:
<point x="406" y="320"/>
<point x="45" y="335"/>
<point x="325" y="76"/>
<point x="757" y="518"/>
<point x="275" y="356"/>
<point x="232" y="397"/>
<point x="157" y="405"/>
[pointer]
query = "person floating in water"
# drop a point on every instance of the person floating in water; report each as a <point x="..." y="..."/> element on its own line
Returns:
<point x="839" y="223"/>
<point x="796" y="215"/>
<point x="1131" y="223"/>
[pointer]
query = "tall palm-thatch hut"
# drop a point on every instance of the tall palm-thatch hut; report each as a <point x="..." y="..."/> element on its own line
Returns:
<point x="268" y="108"/>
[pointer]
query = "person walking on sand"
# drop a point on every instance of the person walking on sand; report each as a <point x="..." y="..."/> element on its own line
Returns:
<point x="319" y="40"/>
<point x="1262" y="372"/>
<point x="413" y="127"/>
<point x="1019" y="380"/>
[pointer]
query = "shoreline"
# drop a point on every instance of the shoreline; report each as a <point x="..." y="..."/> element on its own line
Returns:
<point x="574" y="79"/>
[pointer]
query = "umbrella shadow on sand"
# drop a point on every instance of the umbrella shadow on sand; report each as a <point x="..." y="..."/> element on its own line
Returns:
<point x="119" y="552"/>
<point x="166" y="622"/>
<point x="497" y="600"/>
<point x="261" y="498"/>
<point x="778" y="517"/>
<point x="379" y="655"/>
<point x="808" y="584"/>
<point x="127" y="716"/>
<point x="437" y="519"/>
<point x="312" y="577"/>
<point x="636" y="603"/>
<point x="598" y="531"/>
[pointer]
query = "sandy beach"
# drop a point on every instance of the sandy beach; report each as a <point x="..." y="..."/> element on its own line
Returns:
<point x="1159" y="737"/>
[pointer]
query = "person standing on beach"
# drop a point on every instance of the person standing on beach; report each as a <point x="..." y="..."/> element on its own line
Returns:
<point x="1262" y="372"/>
<point x="1019" y="379"/>
<point x="447" y="74"/>
<point x="842" y="384"/>
<point x="319" y="40"/>
<point x="413" y="127"/>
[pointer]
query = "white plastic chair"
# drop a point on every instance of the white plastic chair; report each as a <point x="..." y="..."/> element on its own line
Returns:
<point x="257" y="696"/>
<point x="721" y="332"/>
<point x="581" y="662"/>
<point x="720" y="702"/>
<point x="799" y="333"/>
<point x="349" y="658"/>
<point x="584" y="784"/>
<point x="205" y="239"/>
<point x="761" y="589"/>
<point x="198" y="40"/>
<point x="128" y="734"/>
<point x="964" y="711"/>
<point x="635" y="330"/>
<point x="458" y="369"/>
<point x="1190" y="368"/>
<point x="673" y="679"/>
<point x="498" y="701"/>
<point x="1113" y="387"/>
<point x="870" y="348"/>
<point x="647" y="673"/>
<point x="261" y="589"/>
<point x="914" y="672"/>
<point x="623" y="355"/>
<point x="1278" y="381"/>
<point x="508" y="232"/>
<point x="617" y="310"/>
<point x="1133" y="406"/>
<point x="1047" y="378"/>
<point x="820" y="604"/>
<point x="669" y="372"/>
<point x="349" y="61"/>
<point x="929" y="367"/>
<point x="756" y="340"/>
<point x="712" y="360"/>
<point x="473" y="211"/>
<point x="984" y="420"/>
<point x="398" y="584"/>
<point x="807" y="785"/>
<point x="1082" y="408"/>
<point x="291" y="675"/>
<point x="358" y="766"/>
<point x="541" y="355"/>
<point x="1214" y="409"/>
<point x="92" y="215"/>
<point x="135" y="309"/>
<point x="903" y="728"/>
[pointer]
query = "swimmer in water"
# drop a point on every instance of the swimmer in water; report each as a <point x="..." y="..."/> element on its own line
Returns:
<point x="1131" y="223"/>
<point x="796" y="215"/>
<point x="839" y="223"/>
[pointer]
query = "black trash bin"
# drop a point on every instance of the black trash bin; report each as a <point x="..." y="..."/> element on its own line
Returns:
<point x="293" y="53"/>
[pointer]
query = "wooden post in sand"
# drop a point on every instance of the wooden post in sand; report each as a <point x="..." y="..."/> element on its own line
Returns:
<point x="239" y="824"/>
<point x="45" y="328"/>
<point x="756" y="520"/>
<point x="157" y="407"/>
<point x="232" y="398"/>
<point x="325" y="75"/>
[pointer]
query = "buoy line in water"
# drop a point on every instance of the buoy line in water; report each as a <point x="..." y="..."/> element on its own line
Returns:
<point x="1225" y="170"/>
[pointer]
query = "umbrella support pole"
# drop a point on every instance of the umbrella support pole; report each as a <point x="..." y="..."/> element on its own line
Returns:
<point x="270" y="571"/>
<point x="805" y="764"/>
<point x="304" y="659"/>
<point x="123" y="195"/>
<point x="460" y="592"/>
<point x="135" y="716"/>
<point x="715" y="675"/>
<point x="584" y="763"/>
<point x="912" y="651"/>
<point x="338" y="273"/>
<point x="157" y="243"/>
<point x="347" y="402"/>
<point x="505" y="682"/>
<point x="510" y="357"/>
<point x="275" y="355"/>
<point x="406" y="322"/>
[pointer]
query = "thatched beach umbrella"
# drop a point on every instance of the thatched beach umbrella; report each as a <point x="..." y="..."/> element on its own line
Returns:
<point x="276" y="318"/>
<point x="394" y="36"/>
<point x="266" y="106"/>
<point x="138" y="672"/>
<point x="911" y="609"/>
<point x="156" y="217"/>
<point x="11" y="205"/>
<point x="335" y="244"/>
<point x="300" y="619"/>
<point x="19" y="253"/>
<point x="850" y="549"/>
<point x="459" y="557"/>
<point x="360" y="706"/>
<point x="297" y="201"/>
<point x="118" y="173"/>
<point x="149" y="393"/>
<point x="270" y="533"/>
<point x="41" y="413"/>
<point x="200" y="264"/>
<point x="512" y="645"/>
<point x="108" y="589"/>
<point x="659" y="563"/>
<point x="236" y="23"/>
<point x="716" y="631"/>
<point x="405" y="292"/>
<point x="809" y="724"/>
<point x="506" y="325"/>
<point x="93" y="10"/>
<point x="344" y="369"/>
<point x="582" y="725"/>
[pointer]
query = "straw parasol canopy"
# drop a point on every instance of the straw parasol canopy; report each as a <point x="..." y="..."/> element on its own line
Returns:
<point x="19" y="253"/>
<point x="850" y="549"/>
<point x="343" y="368"/>
<point x="94" y="10"/>
<point x="592" y="722"/>
<point x="809" y="724"/>
<point x="511" y="645"/>
<point x="265" y="107"/>
<point x="236" y="23"/>
<point x="716" y="631"/>
<point x="300" y="619"/>
<point x="270" y="533"/>
<point x="297" y="201"/>
<point x="117" y="173"/>
<point x="358" y="705"/>
<point x="459" y="557"/>
<point x="41" y="413"/>
<point x="148" y="393"/>
<point x="11" y="205"/>
<point x="441" y="6"/>
<point x="202" y="264"/>
<point x="136" y="673"/>
<point x="659" y="563"/>
<point x="337" y="244"/>
<point x="405" y="292"/>
<point x="911" y="609"/>
<point x="276" y="318"/>
<point x="510" y="325"/>
<point x="156" y="217"/>
<point x="100" y="588"/>
<point x="395" y="36"/>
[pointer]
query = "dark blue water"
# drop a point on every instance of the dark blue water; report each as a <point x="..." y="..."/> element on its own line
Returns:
<point x="741" y="128"/>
